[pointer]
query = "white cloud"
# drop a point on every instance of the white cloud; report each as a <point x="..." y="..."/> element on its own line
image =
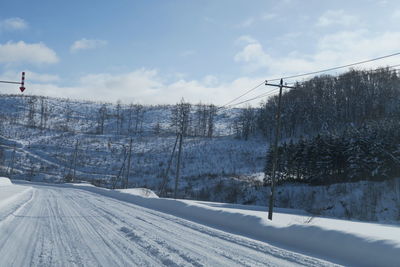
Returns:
<point x="21" y="52"/>
<point x="352" y="46"/>
<point x="332" y="50"/>
<point x="252" y="54"/>
<point x="12" y="24"/>
<point x="337" y="17"/>
<point x="85" y="44"/>
<point x="144" y="86"/>
<point x="30" y="76"/>
<point x="40" y="77"/>
<point x="148" y="86"/>
<point x="210" y="80"/>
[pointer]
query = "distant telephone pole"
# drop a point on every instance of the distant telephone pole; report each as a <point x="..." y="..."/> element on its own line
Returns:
<point x="183" y="121"/>
<point x="74" y="162"/>
<point x="275" y="147"/>
<point x="165" y="180"/>
<point x="129" y="163"/>
<point x="178" y="164"/>
<point x="12" y="162"/>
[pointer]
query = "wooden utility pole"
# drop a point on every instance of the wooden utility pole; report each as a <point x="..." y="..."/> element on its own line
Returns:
<point x="183" y="118"/>
<point x="178" y="164"/>
<point x="275" y="147"/>
<point x="75" y="156"/>
<point x="129" y="164"/>
<point x="165" y="180"/>
<point x="12" y="162"/>
<point x="121" y="170"/>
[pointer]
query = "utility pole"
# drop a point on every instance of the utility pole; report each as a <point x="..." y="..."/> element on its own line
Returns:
<point x="165" y="180"/>
<point x="178" y="164"/>
<point x="275" y="147"/>
<point x="75" y="156"/>
<point x="121" y="170"/>
<point x="22" y="88"/>
<point x="12" y="162"/>
<point x="129" y="163"/>
<point x="184" y="112"/>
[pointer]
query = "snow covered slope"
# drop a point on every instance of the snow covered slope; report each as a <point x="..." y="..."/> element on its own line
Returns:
<point x="219" y="169"/>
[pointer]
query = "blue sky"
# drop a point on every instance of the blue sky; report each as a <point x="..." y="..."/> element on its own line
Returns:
<point x="155" y="52"/>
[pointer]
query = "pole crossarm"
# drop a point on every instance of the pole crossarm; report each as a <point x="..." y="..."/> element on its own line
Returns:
<point x="279" y="85"/>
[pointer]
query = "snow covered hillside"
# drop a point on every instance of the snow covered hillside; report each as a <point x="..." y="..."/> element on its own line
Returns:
<point x="44" y="133"/>
<point x="59" y="140"/>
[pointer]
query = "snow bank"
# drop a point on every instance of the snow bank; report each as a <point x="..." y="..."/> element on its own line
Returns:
<point x="339" y="241"/>
<point x="313" y="236"/>
<point x="82" y="184"/>
<point x="11" y="195"/>
<point x="4" y="181"/>
<point x="143" y="192"/>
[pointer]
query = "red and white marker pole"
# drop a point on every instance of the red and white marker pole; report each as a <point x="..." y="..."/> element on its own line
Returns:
<point x="22" y="83"/>
<point x="22" y="88"/>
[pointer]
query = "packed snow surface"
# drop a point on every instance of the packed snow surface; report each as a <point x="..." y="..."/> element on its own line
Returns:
<point x="4" y="181"/>
<point x="9" y="193"/>
<point x="84" y="225"/>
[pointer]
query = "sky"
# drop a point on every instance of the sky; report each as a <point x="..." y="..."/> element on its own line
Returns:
<point x="209" y="51"/>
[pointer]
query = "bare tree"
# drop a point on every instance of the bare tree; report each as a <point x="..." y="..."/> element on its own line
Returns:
<point x="43" y="113"/>
<point x="102" y="116"/>
<point x="31" y="111"/>
<point x="180" y="117"/>
<point x="139" y="115"/>
<point x="119" y="117"/>
<point x="212" y="111"/>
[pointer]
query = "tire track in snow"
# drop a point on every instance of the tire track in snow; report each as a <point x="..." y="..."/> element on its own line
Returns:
<point x="72" y="227"/>
<point x="164" y="223"/>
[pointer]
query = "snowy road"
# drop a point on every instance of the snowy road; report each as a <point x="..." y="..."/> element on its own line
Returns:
<point x="54" y="226"/>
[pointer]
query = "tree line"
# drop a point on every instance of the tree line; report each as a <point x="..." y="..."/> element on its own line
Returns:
<point x="346" y="129"/>
<point x="331" y="103"/>
<point x="370" y="152"/>
<point x="104" y="118"/>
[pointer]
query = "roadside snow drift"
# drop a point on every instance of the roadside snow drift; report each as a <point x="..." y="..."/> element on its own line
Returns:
<point x="11" y="196"/>
<point x="4" y="181"/>
<point x="340" y="241"/>
<point x="142" y="192"/>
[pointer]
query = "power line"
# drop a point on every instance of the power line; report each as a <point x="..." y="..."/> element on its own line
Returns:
<point x="272" y="92"/>
<point x="311" y="73"/>
<point x="265" y="94"/>
<point x="233" y="100"/>
<point x="336" y="68"/>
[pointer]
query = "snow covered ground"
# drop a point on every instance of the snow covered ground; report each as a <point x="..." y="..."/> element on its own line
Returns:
<point x="219" y="169"/>
<point x="79" y="224"/>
